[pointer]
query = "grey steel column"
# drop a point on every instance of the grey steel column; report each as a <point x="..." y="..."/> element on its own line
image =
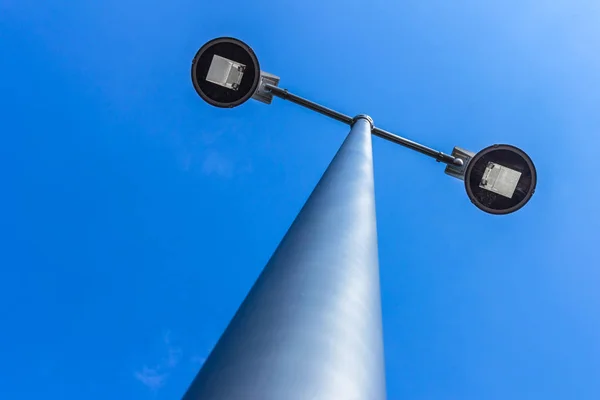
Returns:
<point x="310" y="327"/>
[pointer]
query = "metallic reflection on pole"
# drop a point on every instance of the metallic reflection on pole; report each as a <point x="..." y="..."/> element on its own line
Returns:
<point x="310" y="328"/>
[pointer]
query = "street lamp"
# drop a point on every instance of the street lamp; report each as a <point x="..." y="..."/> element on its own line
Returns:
<point x="310" y="327"/>
<point x="500" y="179"/>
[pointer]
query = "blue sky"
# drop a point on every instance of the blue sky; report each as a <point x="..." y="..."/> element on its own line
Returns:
<point x="134" y="218"/>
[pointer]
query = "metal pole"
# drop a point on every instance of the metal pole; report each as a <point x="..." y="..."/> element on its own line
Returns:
<point x="310" y="327"/>
<point x="311" y="105"/>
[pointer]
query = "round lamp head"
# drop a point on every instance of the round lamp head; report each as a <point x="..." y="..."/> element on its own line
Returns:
<point x="225" y="72"/>
<point x="500" y="179"/>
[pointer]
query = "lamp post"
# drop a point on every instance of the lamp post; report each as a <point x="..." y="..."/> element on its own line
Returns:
<point x="310" y="327"/>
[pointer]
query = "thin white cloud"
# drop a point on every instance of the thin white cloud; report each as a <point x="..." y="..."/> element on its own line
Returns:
<point x="151" y="377"/>
<point x="215" y="163"/>
<point x="174" y="353"/>
<point x="155" y="378"/>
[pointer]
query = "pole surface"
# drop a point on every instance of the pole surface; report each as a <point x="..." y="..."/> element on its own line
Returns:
<point x="310" y="327"/>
